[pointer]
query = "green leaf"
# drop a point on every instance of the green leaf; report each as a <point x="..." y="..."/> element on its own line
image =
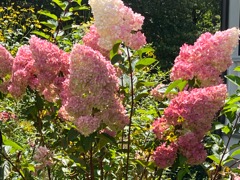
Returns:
<point x="78" y="8"/>
<point x="145" y="62"/>
<point x="228" y="159"/>
<point x="50" y="25"/>
<point x="234" y="79"/>
<point x="235" y="146"/>
<point x="144" y="50"/>
<point x="178" y="83"/>
<point x="237" y="68"/>
<point x="141" y="95"/>
<point x="78" y="1"/>
<point x="48" y="14"/>
<point x="215" y="158"/>
<point x="218" y="126"/>
<point x="61" y="4"/>
<point x="14" y="145"/>
<point x="235" y="153"/>
<point x="226" y="129"/>
<point x="181" y="174"/>
<point x="116" y="58"/>
<point x="115" y="49"/>
<point x="42" y="34"/>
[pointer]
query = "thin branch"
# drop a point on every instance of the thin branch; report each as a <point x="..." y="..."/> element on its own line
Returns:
<point x="91" y="163"/>
<point x="14" y="167"/>
<point x="225" y="150"/>
<point x="131" y="112"/>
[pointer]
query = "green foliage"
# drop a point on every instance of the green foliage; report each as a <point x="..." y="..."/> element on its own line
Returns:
<point x="16" y="23"/>
<point x="169" y="24"/>
<point x="62" y="28"/>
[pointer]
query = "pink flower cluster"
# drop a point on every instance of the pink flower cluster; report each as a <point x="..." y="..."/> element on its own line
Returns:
<point x="49" y="62"/>
<point x="22" y="71"/>
<point x="89" y="95"/>
<point x="40" y="65"/>
<point x="91" y="39"/>
<point x="6" y="61"/>
<point x="191" y="147"/>
<point x="43" y="155"/>
<point x="207" y="58"/>
<point x="123" y="25"/>
<point x="197" y="108"/>
<point x="165" y="155"/>
<point x="191" y="114"/>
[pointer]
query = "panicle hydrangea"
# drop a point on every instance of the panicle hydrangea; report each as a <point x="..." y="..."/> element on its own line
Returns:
<point x="43" y="155"/>
<point x="114" y="22"/>
<point x="197" y="107"/>
<point x="207" y="58"/>
<point x="22" y="71"/>
<point x="91" y="39"/>
<point x="90" y="91"/>
<point x="190" y="147"/>
<point x="160" y="127"/>
<point x="87" y="124"/>
<point x="165" y="155"/>
<point x="50" y="61"/>
<point x="6" y="61"/>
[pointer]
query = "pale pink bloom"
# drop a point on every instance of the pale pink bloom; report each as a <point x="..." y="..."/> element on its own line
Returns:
<point x="165" y="155"/>
<point x="22" y="71"/>
<point x="159" y="92"/>
<point x="91" y="91"/>
<point x="207" y="58"/>
<point x="6" y="61"/>
<point x="197" y="107"/>
<point x="50" y="64"/>
<point x="91" y="39"/>
<point x="114" y="22"/>
<point x="190" y="147"/>
<point x="87" y="124"/>
<point x="160" y="127"/>
<point x="43" y="156"/>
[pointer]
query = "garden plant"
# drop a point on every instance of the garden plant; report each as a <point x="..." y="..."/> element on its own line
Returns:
<point x="81" y="100"/>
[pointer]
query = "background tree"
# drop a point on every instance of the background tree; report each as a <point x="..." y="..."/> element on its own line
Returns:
<point x="169" y="24"/>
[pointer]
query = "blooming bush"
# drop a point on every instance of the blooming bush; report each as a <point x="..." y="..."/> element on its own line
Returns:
<point x="89" y="113"/>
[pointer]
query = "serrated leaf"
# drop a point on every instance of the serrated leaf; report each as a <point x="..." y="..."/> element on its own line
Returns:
<point x="234" y="79"/>
<point x="48" y="14"/>
<point x="144" y="62"/>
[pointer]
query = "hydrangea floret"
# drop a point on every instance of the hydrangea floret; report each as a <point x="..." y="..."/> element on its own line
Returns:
<point x="124" y="24"/>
